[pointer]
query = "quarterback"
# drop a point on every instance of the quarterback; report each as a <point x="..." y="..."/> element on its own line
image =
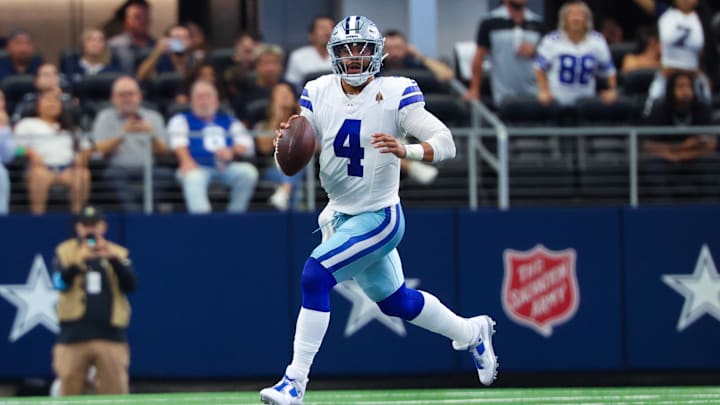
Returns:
<point x="359" y="120"/>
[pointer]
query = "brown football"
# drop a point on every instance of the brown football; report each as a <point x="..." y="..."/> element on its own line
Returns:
<point x="296" y="147"/>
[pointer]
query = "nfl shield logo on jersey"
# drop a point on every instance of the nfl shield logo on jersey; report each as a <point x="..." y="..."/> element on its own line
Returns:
<point x="540" y="288"/>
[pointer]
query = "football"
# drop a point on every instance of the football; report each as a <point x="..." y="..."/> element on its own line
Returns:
<point x="296" y="146"/>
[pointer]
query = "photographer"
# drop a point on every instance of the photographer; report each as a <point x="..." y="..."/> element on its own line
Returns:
<point x="93" y="276"/>
<point x="171" y="54"/>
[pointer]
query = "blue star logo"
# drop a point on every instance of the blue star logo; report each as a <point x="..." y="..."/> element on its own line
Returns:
<point x="364" y="310"/>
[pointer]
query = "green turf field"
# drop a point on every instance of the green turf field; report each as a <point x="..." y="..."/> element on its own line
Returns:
<point x="586" y="396"/>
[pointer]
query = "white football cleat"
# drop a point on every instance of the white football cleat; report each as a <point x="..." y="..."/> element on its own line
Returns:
<point x="481" y="349"/>
<point x="286" y="392"/>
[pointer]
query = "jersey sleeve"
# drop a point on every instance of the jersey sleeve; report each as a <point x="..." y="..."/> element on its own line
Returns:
<point x="242" y="137"/>
<point x="306" y="105"/>
<point x="411" y="97"/>
<point x="606" y="67"/>
<point x="544" y="54"/>
<point x="483" y="34"/>
<point x="178" y="131"/>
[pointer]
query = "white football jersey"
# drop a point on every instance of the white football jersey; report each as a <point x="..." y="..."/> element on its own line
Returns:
<point x="571" y="67"/>
<point x="355" y="175"/>
<point x="681" y="39"/>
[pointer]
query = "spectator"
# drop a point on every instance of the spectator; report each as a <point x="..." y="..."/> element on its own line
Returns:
<point x="282" y="105"/>
<point x="268" y="73"/>
<point x="171" y="54"/>
<point x="93" y="276"/>
<point x="116" y="24"/>
<point x="201" y="71"/>
<point x="206" y="142"/>
<point x="199" y="47"/>
<point x="681" y="108"/>
<point x="94" y="58"/>
<point x="401" y="55"/>
<point x="648" y="45"/>
<point x="135" y="42"/>
<point x="509" y="35"/>
<point x="568" y="59"/>
<point x="611" y="31"/>
<point x="47" y="79"/>
<point x="7" y="153"/>
<point x="54" y="154"/>
<point x="21" y="58"/>
<point x="118" y="132"/>
<point x="236" y="76"/>
<point x="682" y="41"/>
<point x="311" y="58"/>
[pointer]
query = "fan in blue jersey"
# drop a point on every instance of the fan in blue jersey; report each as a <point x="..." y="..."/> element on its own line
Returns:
<point x="207" y="143"/>
<point x="359" y="120"/>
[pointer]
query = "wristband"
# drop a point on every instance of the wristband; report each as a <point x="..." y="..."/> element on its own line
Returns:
<point x="414" y="152"/>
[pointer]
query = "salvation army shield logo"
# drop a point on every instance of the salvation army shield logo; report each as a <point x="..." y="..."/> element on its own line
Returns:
<point x="540" y="288"/>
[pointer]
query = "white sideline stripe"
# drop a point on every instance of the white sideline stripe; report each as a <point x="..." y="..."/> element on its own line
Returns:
<point x="363" y="244"/>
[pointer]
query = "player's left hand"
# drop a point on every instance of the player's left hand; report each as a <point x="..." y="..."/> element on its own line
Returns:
<point x="388" y="144"/>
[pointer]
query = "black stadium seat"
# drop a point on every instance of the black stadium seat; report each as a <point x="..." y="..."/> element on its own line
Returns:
<point x="424" y="78"/>
<point x="94" y="92"/>
<point x="448" y="108"/>
<point x="15" y="87"/>
<point x="637" y="82"/>
<point x="618" y="52"/>
<point x="164" y="88"/>
<point x="528" y="111"/>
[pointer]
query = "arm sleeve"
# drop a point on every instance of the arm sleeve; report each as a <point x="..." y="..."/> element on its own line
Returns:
<point x="7" y="145"/>
<point x="63" y="277"/>
<point x="126" y="275"/>
<point x="543" y="56"/>
<point x="241" y="137"/>
<point x="306" y="109"/>
<point x="483" y="35"/>
<point x="178" y="131"/>
<point x="426" y="127"/>
<point x="606" y="67"/>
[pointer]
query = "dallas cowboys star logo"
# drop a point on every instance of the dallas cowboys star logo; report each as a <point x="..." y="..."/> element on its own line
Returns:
<point x="365" y="310"/>
<point x="35" y="301"/>
<point x="701" y="290"/>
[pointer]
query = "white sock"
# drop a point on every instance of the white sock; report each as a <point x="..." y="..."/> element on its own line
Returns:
<point x="309" y="333"/>
<point x="438" y="318"/>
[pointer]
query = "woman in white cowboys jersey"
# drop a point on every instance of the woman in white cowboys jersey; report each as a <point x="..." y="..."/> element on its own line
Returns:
<point x="359" y="120"/>
<point x="681" y="41"/>
<point x="568" y="59"/>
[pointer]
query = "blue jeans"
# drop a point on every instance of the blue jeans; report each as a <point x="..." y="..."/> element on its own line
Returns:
<point x="241" y="177"/>
<point x="4" y="190"/>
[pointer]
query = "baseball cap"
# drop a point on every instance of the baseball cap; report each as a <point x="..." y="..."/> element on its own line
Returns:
<point x="90" y="215"/>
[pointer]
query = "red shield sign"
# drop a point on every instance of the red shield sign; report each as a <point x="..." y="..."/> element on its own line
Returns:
<point x="540" y="287"/>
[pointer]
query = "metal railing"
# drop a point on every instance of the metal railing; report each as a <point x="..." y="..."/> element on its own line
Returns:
<point x="498" y="161"/>
<point x="503" y="133"/>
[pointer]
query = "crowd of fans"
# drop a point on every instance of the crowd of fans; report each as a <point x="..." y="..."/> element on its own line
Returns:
<point x="213" y="117"/>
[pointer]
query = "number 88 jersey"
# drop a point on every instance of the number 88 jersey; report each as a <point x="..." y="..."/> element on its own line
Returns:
<point x="571" y="67"/>
<point x="355" y="175"/>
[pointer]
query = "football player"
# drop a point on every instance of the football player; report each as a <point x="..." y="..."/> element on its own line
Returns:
<point x="568" y="59"/>
<point x="359" y="120"/>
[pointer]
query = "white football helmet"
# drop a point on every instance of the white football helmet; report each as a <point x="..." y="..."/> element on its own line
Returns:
<point x="351" y="32"/>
